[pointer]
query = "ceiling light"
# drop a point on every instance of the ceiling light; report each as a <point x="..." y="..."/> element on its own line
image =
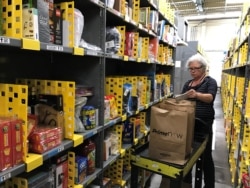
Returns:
<point x="200" y="8"/>
<point x="235" y="1"/>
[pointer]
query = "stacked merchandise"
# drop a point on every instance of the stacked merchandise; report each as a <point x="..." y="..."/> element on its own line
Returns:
<point x="46" y="121"/>
<point x="11" y="142"/>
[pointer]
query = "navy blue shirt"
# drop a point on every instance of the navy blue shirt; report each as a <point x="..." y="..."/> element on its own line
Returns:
<point x="204" y="111"/>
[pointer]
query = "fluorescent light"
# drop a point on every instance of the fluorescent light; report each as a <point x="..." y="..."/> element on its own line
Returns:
<point x="214" y="16"/>
<point x="235" y="1"/>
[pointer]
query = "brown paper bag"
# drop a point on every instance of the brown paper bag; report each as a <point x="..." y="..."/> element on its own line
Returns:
<point x="186" y="106"/>
<point x="170" y="137"/>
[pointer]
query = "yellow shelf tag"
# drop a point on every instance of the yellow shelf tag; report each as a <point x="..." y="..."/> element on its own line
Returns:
<point x="122" y="152"/>
<point x="146" y="106"/>
<point x="136" y="141"/>
<point x="125" y="58"/>
<point x="78" y="139"/>
<point x="78" y="51"/>
<point x="124" y="117"/>
<point x="138" y="60"/>
<point x="33" y="161"/>
<point x="30" y="44"/>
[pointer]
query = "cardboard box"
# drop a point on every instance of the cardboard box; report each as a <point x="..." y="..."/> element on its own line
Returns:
<point x="106" y="149"/>
<point x="118" y="5"/>
<point x="30" y="23"/>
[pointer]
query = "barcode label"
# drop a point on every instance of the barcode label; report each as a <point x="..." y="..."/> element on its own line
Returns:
<point x="4" y="40"/>
<point x="55" y="48"/>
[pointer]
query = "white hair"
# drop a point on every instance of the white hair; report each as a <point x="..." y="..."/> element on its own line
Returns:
<point x="198" y="58"/>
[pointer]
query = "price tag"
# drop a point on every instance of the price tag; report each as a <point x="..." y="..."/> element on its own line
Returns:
<point x="60" y="149"/>
<point x="4" y="40"/>
<point x="91" y="52"/>
<point x="5" y="177"/>
<point x="155" y="166"/>
<point x="54" y="48"/>
<point x="140" y="26"/>
<point x="127" y="19"/>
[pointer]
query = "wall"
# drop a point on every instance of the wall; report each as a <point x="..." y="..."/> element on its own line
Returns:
<point x="214" y="37"/>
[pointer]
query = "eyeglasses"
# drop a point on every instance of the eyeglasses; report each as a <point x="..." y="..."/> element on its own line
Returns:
<point x="194" y="68"/>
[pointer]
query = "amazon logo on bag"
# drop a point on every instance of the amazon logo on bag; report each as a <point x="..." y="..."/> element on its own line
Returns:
<point x="170" y="134"/>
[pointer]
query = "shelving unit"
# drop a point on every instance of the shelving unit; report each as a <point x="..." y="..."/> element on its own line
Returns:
<point x="23" y="58"/>
<point x="235" y="96"/>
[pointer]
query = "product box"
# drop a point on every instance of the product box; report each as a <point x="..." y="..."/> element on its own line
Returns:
<point x="62" y="172"/>
<point x="51" y="22"/>
<point x="129" y="42"/>
<point x="81" y="164"/>
<point x="65" y="26"/>
<point x="55" y="101"/>
<point x="144" y="16"/>
<point x="58" y="26"/>
<point x="43" y="20"/>
<point x="1" y="18"/>
<point x="106" y="149"/>
<point x="6" y="150"/>
<point x="153" y="48"/>
<point x="118" y="5"/>
<point x="30" y="23"/>
<point x="153" y="23"/>
<point x="17" y="140"/>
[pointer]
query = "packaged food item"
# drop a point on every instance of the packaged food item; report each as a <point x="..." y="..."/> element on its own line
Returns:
<point x="89" y="149"/>
<point x="81" y="165"/>
<point x="88" y="116"/>
<point x="113" y="106"/>
<point x="106" y="109"/>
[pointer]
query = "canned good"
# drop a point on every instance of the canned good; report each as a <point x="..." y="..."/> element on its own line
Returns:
<point x="88" y="117"/>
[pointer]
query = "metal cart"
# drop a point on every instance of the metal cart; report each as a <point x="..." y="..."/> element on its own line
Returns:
<point x="175" y="172"/>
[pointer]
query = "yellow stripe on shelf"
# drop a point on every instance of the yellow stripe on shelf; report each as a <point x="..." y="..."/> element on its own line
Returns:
<point x="78" y="186"/>
<point x="30" y="44"/>
<point x="77" y="139"/>
<point x="33" y="161"/>
<point x="78" y="51"/>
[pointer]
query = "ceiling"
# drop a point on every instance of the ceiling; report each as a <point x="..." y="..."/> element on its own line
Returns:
<point x="187" y="8"/>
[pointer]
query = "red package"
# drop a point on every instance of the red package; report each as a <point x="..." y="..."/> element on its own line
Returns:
<point x="5" y="144"/>
<point x="41" y="134"/>
<point x="129" y="40"/>
<point x="17" y="140"/>
<point x="41" y="147"/>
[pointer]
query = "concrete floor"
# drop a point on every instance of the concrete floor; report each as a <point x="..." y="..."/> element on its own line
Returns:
<point x="220" y="152"/>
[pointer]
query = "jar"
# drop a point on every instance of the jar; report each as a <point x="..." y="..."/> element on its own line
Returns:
<point x="88" y="117"/>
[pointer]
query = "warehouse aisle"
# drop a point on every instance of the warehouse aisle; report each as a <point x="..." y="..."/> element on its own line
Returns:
<point x="220" y="152"/>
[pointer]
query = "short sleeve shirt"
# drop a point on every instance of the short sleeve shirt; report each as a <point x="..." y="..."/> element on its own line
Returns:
<point x="204" y="111"/>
